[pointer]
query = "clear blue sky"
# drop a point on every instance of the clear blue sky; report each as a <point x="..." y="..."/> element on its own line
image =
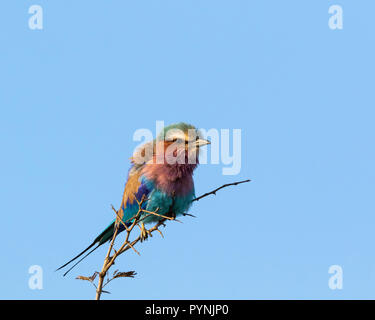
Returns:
<point x="72" y="95"/>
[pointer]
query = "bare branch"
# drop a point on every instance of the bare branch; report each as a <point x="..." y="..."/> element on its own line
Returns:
<point x="129" y="225"/>
<point x="223" y="186"/>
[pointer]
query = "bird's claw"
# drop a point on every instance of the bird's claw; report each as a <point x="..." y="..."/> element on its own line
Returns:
<point x="144" y="232"/>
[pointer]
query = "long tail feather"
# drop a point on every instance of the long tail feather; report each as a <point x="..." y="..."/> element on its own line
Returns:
<point x="102" y="238"/>
<point x="77" y="256"/>
<point x="81" y="260"/>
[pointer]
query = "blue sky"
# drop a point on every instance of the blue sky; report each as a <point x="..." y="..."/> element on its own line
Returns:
<point x="73" y="94"/>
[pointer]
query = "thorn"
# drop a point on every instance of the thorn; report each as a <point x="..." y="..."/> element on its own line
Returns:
<point x="188" y="214"/>
<point x="161" y="233"/>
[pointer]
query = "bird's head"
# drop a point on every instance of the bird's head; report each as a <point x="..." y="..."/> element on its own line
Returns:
<point x="181" y="143"/>
<point x="176" y="144"/>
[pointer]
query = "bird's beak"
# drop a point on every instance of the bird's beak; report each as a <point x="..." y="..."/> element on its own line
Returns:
<point x="201" y="142"/>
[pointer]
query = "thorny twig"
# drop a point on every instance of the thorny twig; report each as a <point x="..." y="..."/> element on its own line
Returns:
<point x="223" y="186"/>
<point x="110" y="260"/>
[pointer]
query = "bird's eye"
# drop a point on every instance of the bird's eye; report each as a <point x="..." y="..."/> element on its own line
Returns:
<point x="178" y="140"/>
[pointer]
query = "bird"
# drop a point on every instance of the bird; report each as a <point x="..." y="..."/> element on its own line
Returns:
<point x="161" y="171"/>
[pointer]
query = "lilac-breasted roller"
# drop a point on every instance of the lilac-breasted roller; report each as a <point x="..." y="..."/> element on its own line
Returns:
<point x="162" y="172"/>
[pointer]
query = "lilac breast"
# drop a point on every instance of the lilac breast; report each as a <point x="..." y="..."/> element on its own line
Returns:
<point x="174" y="179"/>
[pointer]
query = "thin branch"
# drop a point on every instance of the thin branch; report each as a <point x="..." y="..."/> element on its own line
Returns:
<point x="126" y="245"/>
<point x="158" y="215"/>
<point x="102" y="274"/>
<point x="223" y="186"/>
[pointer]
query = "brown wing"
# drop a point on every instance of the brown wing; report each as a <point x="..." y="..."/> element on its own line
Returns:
<point x="139" y="159"/>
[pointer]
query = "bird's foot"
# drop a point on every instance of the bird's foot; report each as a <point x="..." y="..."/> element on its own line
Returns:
<point x="144" y="232"/>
